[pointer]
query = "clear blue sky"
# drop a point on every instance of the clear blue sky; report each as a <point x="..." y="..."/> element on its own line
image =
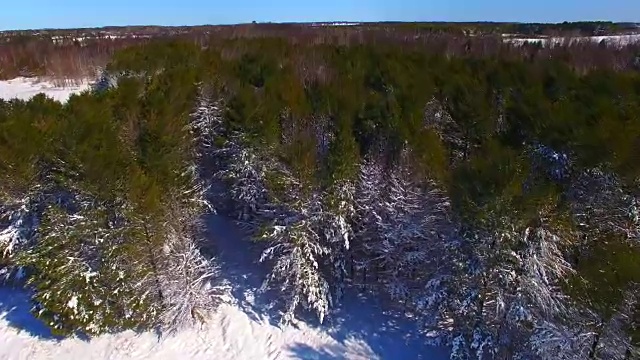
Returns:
<point x="29" y="14"/>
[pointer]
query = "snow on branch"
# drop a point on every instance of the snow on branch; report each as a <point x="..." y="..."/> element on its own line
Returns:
<point x="19" y="222"/>
<point x="190" y="284"/>
<point x="297" y="253"/>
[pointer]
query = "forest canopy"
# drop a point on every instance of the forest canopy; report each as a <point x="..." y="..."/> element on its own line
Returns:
<point x="494" y="198"/>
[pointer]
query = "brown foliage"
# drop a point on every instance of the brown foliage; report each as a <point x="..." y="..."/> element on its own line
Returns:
<point x="78" y="53"/>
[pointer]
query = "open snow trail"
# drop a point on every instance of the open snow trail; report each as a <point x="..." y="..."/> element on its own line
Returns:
<point x="358" y="329"/>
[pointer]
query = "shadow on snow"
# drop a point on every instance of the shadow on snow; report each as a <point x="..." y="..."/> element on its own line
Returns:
<point x="360" y="325"/>
<point x="359" y="318"/>
<point x="238" y="260"/>
<point x="15" y="310"/>
<point x="330" y="352"/>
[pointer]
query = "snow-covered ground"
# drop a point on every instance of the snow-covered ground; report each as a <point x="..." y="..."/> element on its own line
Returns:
<point x="230" y="334"/>
<point x="615" y="40"/>
<point x="343" y="23"/>
<point x="25" y="88"/>
<point x="241" y="329"/>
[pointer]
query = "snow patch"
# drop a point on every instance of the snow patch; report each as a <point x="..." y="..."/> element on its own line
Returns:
<point x="73" y="303"/>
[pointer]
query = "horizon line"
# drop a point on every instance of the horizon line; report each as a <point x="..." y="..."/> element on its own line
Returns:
<point x="637" y="23"/>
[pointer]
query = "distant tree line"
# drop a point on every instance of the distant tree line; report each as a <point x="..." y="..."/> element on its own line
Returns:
<point x="81" y="52"/>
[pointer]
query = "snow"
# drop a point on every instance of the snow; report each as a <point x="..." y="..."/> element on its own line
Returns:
<point x="615" y="40"/>
<point x="26" y="88"/>
<point x="73" y="303"/>
<point x="238" y="330"/>
<point x="343" y="23"/>
<point x="230" y="334"/>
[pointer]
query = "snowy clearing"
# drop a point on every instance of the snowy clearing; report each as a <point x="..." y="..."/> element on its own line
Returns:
<point x="26" y="88"/>
<point x="614" y="40"/>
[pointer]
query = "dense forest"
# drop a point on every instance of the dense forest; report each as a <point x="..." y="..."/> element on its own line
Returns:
<point x="493" y="197"/>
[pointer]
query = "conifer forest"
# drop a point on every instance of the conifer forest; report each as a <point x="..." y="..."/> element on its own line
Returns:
<point x="489" y="191"/>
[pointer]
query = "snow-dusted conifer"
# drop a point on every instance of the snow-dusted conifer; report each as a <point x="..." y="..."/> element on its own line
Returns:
<point x="20" y="220"/>
<point x="542" y="267"/>
<point x="206" y="123"/>
<point x="601" y="205"/>
<point x="245" y="174"/>
<point x="192" y="277"/>
<point x="338" y="232"/>
<point x="556" y="165"/>
<point x="398" y="250"/>
<point x="467" y="307"/>
<point x="298" y="249"/>
<point x="564" y="340"/>
<point x="406" y="235"/>
<point x="511" y="286"/>
<point x="190" y="283"/>
<point x="297" y="252"/>
<point x="403" y="227"/>
<point x="437" y="117"/>
<point x="82" y="276"/>
<point x="614" y="341"/>
<point x="368" y="191"/>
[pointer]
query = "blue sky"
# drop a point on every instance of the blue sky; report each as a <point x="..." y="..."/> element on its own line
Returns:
<point x="28" y="14"/>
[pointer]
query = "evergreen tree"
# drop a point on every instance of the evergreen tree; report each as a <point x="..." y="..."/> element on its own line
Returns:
<point x="245" y="172"/>
<point x="21" y="221"/>
<point x="336" y="220"/>
<point x="298" y="250"/>
<point x="81" y="278"/>
<point x="190" y="283"/>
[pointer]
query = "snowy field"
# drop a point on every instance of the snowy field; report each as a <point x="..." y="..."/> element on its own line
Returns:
<point x="239" y="330"/>
<point x="614" y="40"/>
<point x="26" y="88"/>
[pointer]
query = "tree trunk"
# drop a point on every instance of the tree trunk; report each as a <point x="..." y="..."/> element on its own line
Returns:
<point x="152" y="261"/>
<point x="594" y="346"/>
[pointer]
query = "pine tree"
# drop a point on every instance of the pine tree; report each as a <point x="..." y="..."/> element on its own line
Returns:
<point x="337" y="218"/>
<point x="206" y="124"/>
<point x="245" y="173"/>
<point x="369" y="189"/>
<point x="606" y="285"/>
<point x="555" y="340"/>
<point x="601" y="205"/>
<point x="512" y="285"/>
<point x="406" y="235"/>
<point x="404" y="227"/>
<point x="21" y="220"/>
<point x="190" y="283"/>
<point x="298" y="249"/>
<point x="81" y="279"/>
